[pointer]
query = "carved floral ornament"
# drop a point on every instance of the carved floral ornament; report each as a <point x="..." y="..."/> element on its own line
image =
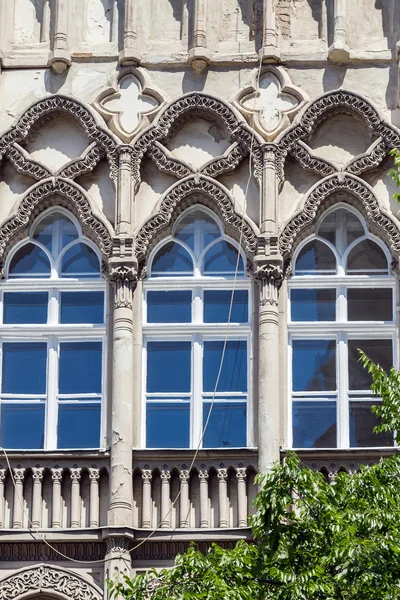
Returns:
<point x="130" y="104"/>
<point x="271" y="105"/>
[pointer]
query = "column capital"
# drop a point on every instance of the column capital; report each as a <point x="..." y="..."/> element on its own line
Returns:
<point x="94" y="474"/>
<point x="222" y="474"/>
<point x="3" y="474"/>
<point x="241" y="473"/>
<point x="37" y="473"/>
<point x="203" y="474"/>
<point x="147" y="475"/>
<point x="184" y="475"/>
<point x="75" y="473"/>
<point x="165" y="475"/>
<point x="268" y="272"/>
<point x="19" y="473"/>
<point x="57" y="473"/>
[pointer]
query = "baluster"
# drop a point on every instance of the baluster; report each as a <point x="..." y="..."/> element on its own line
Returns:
<point x="204" y="512"/>
<point x="37" y="476"/>
<point x="241" y="496"/>
<point x="184" y="477"/>
<point x="94" y="476"/>
<point x="146" y="498"/>
<point x="222" y="476"/>
<point x="3" y="473"/>
<point x="18" y="509"/>
<point x="165" y="499"/>
<point x="75" y="474"/>
<point x="56" y="475"/>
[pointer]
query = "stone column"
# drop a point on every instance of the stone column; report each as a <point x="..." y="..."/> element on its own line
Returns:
<point x="241" y="496"/>
<point x="37" y="476"/>
<point x="147" y="505"/>
<point x="204" y="512"/>
<point x="199" y="54"/>
<point x="3" y="474"/>
<point x="269" y="51"/>
<point x="117" y="562"/>
<point x="56" y="475"/>
<point x="184" y="477"/>
<point x="130" y="55"/>
<point x="165" y="499"/>
<point x="339" y="51"/>
<point x="60" y="57"/>
<point x="123" y="278"/>
<point x="269" y="190"/>
<point x="222" y="476"/>
<point x="75" y="474"/>
<point x="18" y="505"/>
<point x="124" y="192"/>
<point x="94" y="477"/>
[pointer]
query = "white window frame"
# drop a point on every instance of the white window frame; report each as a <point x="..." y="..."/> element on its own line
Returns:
<point x="198" y="332"/>
<point x="341" y="330"/>
<point x="55" y="333"/>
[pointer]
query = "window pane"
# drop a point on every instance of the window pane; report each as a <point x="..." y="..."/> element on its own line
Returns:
<point x="68" y="231"/>
<point x="80" y="368"/>
<point x="82" y="307"/>
<point x="362" y="422"/>
<point x="80" y="261"/>
<point x="315" y="256"/>
<point x="233" y="376"/>
<point x="168" y="425"/>
<point x="379" y="351"/>
<point x="45" y="230"/>
<point x="217" y="303"/>
<point x="205" y="225"/>
<point x="29" y="261"/>
<point x="354" y="227"/>
<point x="221" y="259"/>
<point x="24" y="368"/>
<point x="172" y="259"/>
<point x="327" y="228"/>
<point x="314" y="424"/>
<point x="169" y="307"/>
<point x="314" y="365"/>
<point x="21" y="307"/>
<point x="22" y="426"/>
<point x="367" y="256"/>
<point x="226" y="427"/>
<point x="369" y="304"/>
<point x="78" y="426"/>
<point x="168" y="367"/>
<point x="313" y="305"/>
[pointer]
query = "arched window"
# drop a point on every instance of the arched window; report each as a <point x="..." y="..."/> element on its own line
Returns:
<point x="188" y="298"/>
<point x="342" y="299"/>
<point x="52" y="336"/>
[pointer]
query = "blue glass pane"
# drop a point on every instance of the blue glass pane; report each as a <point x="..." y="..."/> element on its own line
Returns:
<point x="168" y="425"/>
<point x="78" y="426"/>
<point x="29" y="261"/>
<point x="44" y="231"/>
<point x="169" y="307"/>
<point x="80" y="368"/>
<point x="47" y="228"/>
<point x="22" y="307"/>
<point x="362" y="423"/>
<point x="315" y="256"/>
<point x="314" y="424"/>
<point x="24" y="368"/>
<point x="217" y="303"/>
<point x="80" y="261"/>
<point x="233" y="376"/>
<point x="68" y="231"/>
<point x="226" y="427"/>
<point x="204" y="225"/>
<point x="22" y="426"/>
<point x="82" y="307"/>
<point x="367" y="256"/>
<point x="170" y="259"/>
<point x="313" y="305"/>
<point x="379" y="351"/>
<point x="221" y="259"/>
<point x="168" y="367"/>
<point x="314" y="365"/>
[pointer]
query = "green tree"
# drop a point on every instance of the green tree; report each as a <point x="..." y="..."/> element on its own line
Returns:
<point x="312" y="540"/>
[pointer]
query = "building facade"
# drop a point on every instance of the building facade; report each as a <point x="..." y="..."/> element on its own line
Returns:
<point x="197" y="234"/>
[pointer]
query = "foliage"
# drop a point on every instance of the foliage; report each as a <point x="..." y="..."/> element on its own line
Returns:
<point x="395" y="173"/>
<point x="313" y="540"/>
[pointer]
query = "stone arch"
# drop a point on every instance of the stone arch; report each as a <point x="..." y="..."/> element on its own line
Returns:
<point x="192" y="190"/>
<point x="359" y="194"/>
<point x="56" y="582"/>
<point x="43" y="195"/>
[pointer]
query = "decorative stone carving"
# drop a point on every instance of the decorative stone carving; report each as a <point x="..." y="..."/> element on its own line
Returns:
<point x="42" y="578"/>
<point x="208" y="190"/>
<point x="184" y="475"/>
<point x="75" y="473"/>
<point x="57" y="474"/>
<point x="94" y="473"/>
<point x="37" y="473"/>
<point x="84" y="164"/>
<point x="123" y="276"/>
<point x="167" y="163"/>
<point x="241" y="473"/>
<point x="131" y="104"/>
<point x="228" y="162"/>
<point x="270" y="104"/>
<point x="147" y="475"/>
<point x="304" y="155"/>
<point x="24" y="164"/>
<point x="39" y="551"/>
<point x="365" y="200"/>
<point x="269" y="273"/>
<point x="19" y="474"/>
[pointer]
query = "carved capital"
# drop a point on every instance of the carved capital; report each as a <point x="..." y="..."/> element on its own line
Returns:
<point x="3" y="475"/>
<point x="203" y="475"/>
<point x="57" y="474"/>
<point x="37" y="473"/>
<point x="241" y="473"/>
<point x="184" y="475"/>
<point x="165" y="476"/>
<point x="147" y="475"/>
<point x="94" y="474"/>
<point x="222" y="474"/>
<point x="117" y="545"/>
<point x="269" y="273"/>
<point x="75" y="474"/>
<point x="19" y="474"/>
<point x="123" y="276"/>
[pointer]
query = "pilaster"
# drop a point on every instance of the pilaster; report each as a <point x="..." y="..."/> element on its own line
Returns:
<point x="199" y="54"/>
<point x="125" y="192"/>
<point x="339" y="51"/>
<point x="269" y="52"/>
<point x="269" y="189"/>
<point x="117" y="562"/>
<point x="130" y="55"/>
<point x="60" y="57"/>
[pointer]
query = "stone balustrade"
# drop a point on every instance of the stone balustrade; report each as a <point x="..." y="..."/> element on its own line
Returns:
<point x="53" y="494"/>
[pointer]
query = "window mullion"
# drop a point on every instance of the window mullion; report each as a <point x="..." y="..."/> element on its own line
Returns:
<point x="197" y="388"/>
<point x="52" y="392"/>
<point x="343" y="396"/>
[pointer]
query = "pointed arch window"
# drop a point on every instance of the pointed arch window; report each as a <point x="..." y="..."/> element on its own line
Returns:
<point x="187" y="304"/>
<point x="52" y="322"/>
<point x="342" y="298"/>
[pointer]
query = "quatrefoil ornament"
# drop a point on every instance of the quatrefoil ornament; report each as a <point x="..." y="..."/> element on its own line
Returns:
<point x="130" y="104"/>
<point x="270" y="106"/>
